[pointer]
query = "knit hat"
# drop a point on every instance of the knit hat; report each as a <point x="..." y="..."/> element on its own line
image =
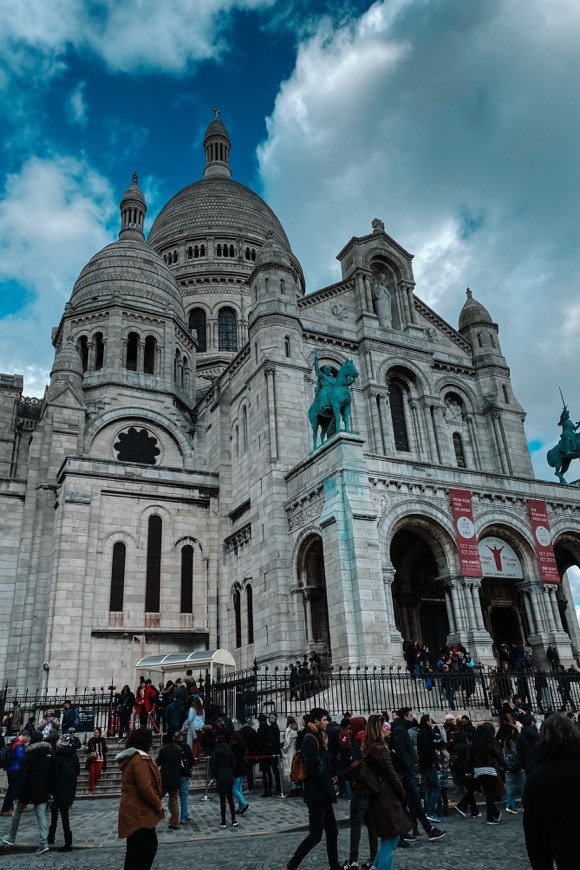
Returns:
<point x="450" y="717"/>
<point x="63" y="741"/>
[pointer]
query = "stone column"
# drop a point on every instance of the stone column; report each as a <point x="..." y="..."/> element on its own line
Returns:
<point x="388" y="578"/>
<point x="499" y="442"/>
<point x="431" y="441"/>
<point x="308" y="612"/>
<point x="375" y="421"/>
<point x="467" y="597"/>
<point x="91" y="357"/>
<point x="548" y="608"/>
<point x="555" y="609"/>
<point x="385" y="420"/>
<point x="368" y="295"/>
<point x="473" y="440"/>
<point x="140" y="355"/>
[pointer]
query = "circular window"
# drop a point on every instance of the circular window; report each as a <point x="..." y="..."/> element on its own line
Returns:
<point x="137" y="445"/>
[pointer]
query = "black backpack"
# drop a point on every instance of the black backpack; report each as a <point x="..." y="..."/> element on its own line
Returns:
<point x="363" y="780"/>
<point x="6" y="756"/>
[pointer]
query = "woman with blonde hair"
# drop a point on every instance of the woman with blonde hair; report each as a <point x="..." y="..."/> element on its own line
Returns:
<point x="195" y="724"/>
<point x="386" y="806"/>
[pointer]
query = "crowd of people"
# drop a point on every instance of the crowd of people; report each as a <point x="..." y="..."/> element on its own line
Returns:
<point x="400" y="772"/>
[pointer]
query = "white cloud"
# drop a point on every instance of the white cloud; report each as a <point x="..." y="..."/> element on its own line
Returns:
<point x="126" y="35"/>
<point x="54" y="215"/>
<point x="77" y="105"/>
<point x="452" y="122"/>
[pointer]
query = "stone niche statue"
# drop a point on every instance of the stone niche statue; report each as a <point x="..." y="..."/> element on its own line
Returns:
<point x="382" y="301"/>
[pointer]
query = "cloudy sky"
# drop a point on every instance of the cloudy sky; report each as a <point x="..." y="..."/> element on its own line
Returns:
<point x="457" y="123"/>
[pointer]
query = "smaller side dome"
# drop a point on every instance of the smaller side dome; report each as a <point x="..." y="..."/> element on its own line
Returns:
<point x="272" y="253"/>
<point x="472" y="313"/>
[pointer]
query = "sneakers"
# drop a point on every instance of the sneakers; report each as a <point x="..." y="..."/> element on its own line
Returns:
<point x="461" y="812"/>
<point x="41" y="850"/>
<point x="350" y="865"/>
<point x="434" y="819"/>
<point x="436" y="834"/>
<point x="223" y="825"/>
<point x="245" y="810"/>
<point x="65" y="849"/>
<point x="475" y="815"/>
<point x="173" y="827"/>
<point x="8" y="840"/>
<point x="512" y="810"/>
<point x="493" y="822"/>
<point x="235" y="823"/>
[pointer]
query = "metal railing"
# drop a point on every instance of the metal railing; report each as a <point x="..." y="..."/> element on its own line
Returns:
<point x="361" y="690"/>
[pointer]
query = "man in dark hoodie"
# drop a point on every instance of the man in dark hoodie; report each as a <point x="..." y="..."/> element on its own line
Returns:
<point x="406" y="762"/>
<point x="33" y="788"/>
<point x="65" y="772"/>
<point x="359" y="806"/>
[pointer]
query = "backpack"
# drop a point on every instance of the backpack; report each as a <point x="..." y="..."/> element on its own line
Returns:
<point x="363" y="780"/>
<point x="298" y="769"/>
<point x="345" y="738"/>
<point x="6" y="756"/>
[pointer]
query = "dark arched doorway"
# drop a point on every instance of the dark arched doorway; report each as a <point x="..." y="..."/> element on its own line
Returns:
<point x="418" y="596"/>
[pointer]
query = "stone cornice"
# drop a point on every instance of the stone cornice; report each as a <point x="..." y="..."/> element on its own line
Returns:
<point x="326" y="293"/>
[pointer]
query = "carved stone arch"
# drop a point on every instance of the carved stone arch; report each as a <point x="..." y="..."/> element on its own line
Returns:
<point x="332" y="353"/>
<point x="566" y="545"/>
<point x="225" y="302"/>
<point x="188" y="540"/>
<point x="306" y="533"/>
<point x="112" y="537"/>
<point x="433" y="524"/>
<point x="142" y="416"/>
<point x="446" y="384"/>
<point x="402" y="363"/>
<point x="166" y="517"/>
<point x="381" y="251"/>
<point x="514" y="530"/>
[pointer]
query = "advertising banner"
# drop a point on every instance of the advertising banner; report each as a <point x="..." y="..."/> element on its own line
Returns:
<point x="538" y="515"/>
<point x="465" y="532"/>
<point x="498" y="559"/>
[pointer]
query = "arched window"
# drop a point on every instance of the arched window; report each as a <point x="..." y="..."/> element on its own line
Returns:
<point x="506" y="397"/>
<point x="218" y="250"/>
<point x="253" y="254"/>
<point x="397" y="405"/>
<point x="197" y="321"/>
<point x="458" y="447"/>
<point x="149" y="355"/>
<point x="247" y="252"/>
<point x="99" y="351"/>
<point x="244" y="429"/>
<point x="83" y="349"/>
<point x="132" y="351"/>
<point x="237" y="440"/>
<point x="202" y="251"/>
<point x="153" y="573"/>
<point x="227" y="330"/>
<point x="232" y="251"/>
<point x="117" y="577"/>
<point x="286" y="346"/>
<point x="238" y="617"/>
<point x="187" y="579"/>
<point x="250" y="613"/>
<point x="282" y="287"/>
<point x="190" y="253"/>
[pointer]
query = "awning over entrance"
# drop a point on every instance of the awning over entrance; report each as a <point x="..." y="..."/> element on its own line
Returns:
<point x="173" y="665"/>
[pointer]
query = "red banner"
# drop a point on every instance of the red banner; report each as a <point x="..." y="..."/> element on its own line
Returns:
<point x="543" y="540"/>
<point x="465" y="532"/>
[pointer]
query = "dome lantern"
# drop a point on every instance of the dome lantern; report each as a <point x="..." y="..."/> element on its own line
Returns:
<point x="217" y="150"/>
<point x="133" y="211"/>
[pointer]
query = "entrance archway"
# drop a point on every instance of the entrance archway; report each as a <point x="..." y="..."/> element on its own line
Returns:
<point x="418" y="595"/>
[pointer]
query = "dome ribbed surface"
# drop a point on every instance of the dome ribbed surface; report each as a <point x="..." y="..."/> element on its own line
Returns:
<point x="131" y="271"/>
<point x="272" y="252"/>
<point x="215" y="205"/>
<point x="473" y="312"/>
<point x="216" y="128"/>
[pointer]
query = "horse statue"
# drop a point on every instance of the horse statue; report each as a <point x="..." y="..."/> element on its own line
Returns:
<point x="567" y="448"/>
<point x="332" y="400"/>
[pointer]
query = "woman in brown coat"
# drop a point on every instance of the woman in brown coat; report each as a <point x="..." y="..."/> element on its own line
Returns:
<point x="385" y="808"/>
<point x="140" y="808"/>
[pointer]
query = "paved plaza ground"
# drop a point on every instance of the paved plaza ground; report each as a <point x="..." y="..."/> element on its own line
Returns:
<point x="264" y="840"/>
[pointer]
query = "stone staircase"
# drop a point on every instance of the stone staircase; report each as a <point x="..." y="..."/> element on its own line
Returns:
<point x="110" y="782"/>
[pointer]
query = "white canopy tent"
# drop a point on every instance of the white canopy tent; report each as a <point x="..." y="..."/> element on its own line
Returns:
<point x="169" y="667"/>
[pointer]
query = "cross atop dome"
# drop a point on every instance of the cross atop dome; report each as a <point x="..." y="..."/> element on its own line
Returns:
<point x="217" y="112"/>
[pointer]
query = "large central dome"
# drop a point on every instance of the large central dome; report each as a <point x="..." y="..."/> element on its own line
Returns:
<point x="215" y="205"/>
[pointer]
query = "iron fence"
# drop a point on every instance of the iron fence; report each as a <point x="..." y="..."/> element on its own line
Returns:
<point x="361" y="690"/>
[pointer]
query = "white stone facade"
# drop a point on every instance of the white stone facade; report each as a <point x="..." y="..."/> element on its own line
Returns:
<point x="165" y="496"/>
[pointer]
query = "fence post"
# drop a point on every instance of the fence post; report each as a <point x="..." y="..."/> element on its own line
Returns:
<point x="484" y="687"/>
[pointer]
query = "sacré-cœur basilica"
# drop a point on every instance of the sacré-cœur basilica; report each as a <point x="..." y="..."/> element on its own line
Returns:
<point x="165" y="495"/>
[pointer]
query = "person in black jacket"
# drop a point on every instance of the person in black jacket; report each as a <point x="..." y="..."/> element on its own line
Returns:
<point x="169" y="762"/>
<point x="265" y="750"/>
<point x="319" y="793"/>
<point x="427" y="742"/>
<point x="222" y="765"/>
<point x="359" y="804"/>
<point x="276" y="751"/>
<point x="250" y="738"/>
<point x="527" y="745"/>
<point x="65" y="772"/>
<point x="552" y="798"/>
<point x="33" y="788"/>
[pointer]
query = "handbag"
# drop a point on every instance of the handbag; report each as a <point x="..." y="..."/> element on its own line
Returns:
<point x="92" y="756"/>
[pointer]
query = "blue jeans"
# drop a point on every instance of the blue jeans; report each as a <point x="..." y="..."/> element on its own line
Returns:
<point x="237" y="792"/>
<point x="432" y="789"/>
<point x="384" y="859"/>
<point x="183" y="798"/>
<point x="514" y="786"/>
<point x="414" y="800"/>
<point x="41" y="819"/>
